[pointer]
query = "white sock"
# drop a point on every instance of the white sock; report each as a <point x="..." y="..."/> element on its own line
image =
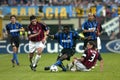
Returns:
<point x="70" y="65"/>
<point x="37" y="57"/>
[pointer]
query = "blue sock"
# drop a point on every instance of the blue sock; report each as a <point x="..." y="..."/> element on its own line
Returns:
<point x="15" y="58"/>
<point x="63" y="67"/>
<point x="59" y="62"/>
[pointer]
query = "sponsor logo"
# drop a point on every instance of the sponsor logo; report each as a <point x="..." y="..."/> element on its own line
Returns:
<point x="114" y="46"/>
<point x="23" y="47"/>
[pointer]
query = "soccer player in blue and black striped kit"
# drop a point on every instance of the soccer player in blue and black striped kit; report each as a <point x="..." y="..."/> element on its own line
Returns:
<point x="67" y="39"/>
<point x="89" y="28"/>
<point x="13" y="31"/>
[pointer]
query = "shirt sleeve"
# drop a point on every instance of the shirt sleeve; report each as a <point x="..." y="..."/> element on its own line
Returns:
<point x="19" y="25"/>
<point x="44" y="26"/>
<point x="76" y="36"/>
<point x="83" y="25"/>
<point x="8" y="31"/>
<point x="84" y="54"/>
<point x="56" y="36"/>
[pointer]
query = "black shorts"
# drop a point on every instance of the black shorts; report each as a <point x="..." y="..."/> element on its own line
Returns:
<point x="68" y="52"/>
<point x="86" y="41"/>
<point x="15" y="41"/>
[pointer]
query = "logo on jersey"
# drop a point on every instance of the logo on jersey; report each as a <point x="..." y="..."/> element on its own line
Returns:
<point x="114" y="46"/>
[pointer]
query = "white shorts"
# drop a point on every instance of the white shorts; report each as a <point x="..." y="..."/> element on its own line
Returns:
<point x="80" y="66"/>
<point x="99" y="43"/>
<point x="34" y="45"/>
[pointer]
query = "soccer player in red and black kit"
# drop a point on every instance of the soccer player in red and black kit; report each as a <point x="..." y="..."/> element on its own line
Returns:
<point x="37" y="38"/>
<point x="88" y="59"/>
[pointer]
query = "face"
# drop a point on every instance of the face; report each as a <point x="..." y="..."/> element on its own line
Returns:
<point x="34" y="21"/>
<point x="89" y="46"/>
<point x="13" y="19"/>
<point x="90" y="17"/>
<point x="66" y="30"/>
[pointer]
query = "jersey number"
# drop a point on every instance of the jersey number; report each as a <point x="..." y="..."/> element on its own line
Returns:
<point x="92" y="57"/>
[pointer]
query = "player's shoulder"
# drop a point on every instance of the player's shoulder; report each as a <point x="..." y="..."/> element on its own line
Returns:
<point x="42" y="23"/>
<point x="7" y="25"/>
<point x="17" y="23"/>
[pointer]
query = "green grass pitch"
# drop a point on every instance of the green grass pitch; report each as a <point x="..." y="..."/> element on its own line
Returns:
<point x="23" y="72"/>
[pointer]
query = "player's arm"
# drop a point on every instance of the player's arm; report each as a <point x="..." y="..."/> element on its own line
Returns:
<point x="45" y="36"/>
<point x="50" y="36"/>
<point x="82" y="57"/>
<point x="30" y="35"/>
<point x="21" y="29"/>
<point x="86" y="30"/>
<point x="99" y="29"/>
<point x="7" y="31"/>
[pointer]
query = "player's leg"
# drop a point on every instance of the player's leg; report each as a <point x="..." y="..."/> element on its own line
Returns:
<point x="15" y="50"/>
<point x="15" y="45"/>
<point x="14" y="57"/>
<point x="79" y="66"/>
<point x="31" y="53"/>
<point x="58" y="57"/>
<point x="39" y="48"/>
<point x="59" y="62"/>
<point x="38" y="56"/>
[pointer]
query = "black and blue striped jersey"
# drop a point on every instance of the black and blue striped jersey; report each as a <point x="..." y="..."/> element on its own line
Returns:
<point x="88" y="25"/>
<point x="13" y="29"/>
<point x="67" y="40"/>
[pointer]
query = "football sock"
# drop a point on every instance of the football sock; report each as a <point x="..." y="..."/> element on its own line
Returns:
<point x="15" y="58"/>
<point x="70" y="66"/>
<point x="62" y="66"/>
<point x="59" y="62"/>
<point x="37" y="57"/>
<point x="30" y="59"/>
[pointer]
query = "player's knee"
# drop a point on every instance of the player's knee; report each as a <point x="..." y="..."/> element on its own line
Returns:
<point x="39" y="51"/>
<point x="63" y="57"/>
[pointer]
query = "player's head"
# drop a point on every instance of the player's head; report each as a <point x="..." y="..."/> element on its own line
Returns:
<point x="91" y="45"/>
<point x="66" y="29"/>
<point x="13" y="18"/>
<point x="33" y="20"/>
<point x="91" y="16"/>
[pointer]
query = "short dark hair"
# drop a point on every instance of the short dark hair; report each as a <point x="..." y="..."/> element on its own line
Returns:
<point x="32" y="17"/>
<point x="92" y="43"/>
<point x="13" y="16"/>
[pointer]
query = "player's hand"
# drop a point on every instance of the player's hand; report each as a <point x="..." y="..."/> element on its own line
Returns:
<point x="89" y="37"/>
<point x="22" y="29"/>
<point x="92" y="30"/>
<point x="38" y="32"/>
<point x="75" y="58"/>
<point x="44" y="41"/>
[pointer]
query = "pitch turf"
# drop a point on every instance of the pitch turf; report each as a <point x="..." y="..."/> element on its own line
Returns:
<point x="23" y="72"/>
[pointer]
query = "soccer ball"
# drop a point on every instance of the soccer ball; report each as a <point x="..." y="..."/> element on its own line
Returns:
<point x="53" y="68"/>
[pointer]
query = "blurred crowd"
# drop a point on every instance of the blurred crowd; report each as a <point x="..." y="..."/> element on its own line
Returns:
<point x="105" y="16"/>
<point x="82" y="3"/>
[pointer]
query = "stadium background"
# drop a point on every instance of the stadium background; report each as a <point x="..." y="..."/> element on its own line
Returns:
<point x="57" y="13"/>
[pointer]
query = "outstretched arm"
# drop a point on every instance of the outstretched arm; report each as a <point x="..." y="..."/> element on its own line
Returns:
<point x="21" y="29"/>
<point x="50" y="36"/>
<point x="33" y="35"/>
